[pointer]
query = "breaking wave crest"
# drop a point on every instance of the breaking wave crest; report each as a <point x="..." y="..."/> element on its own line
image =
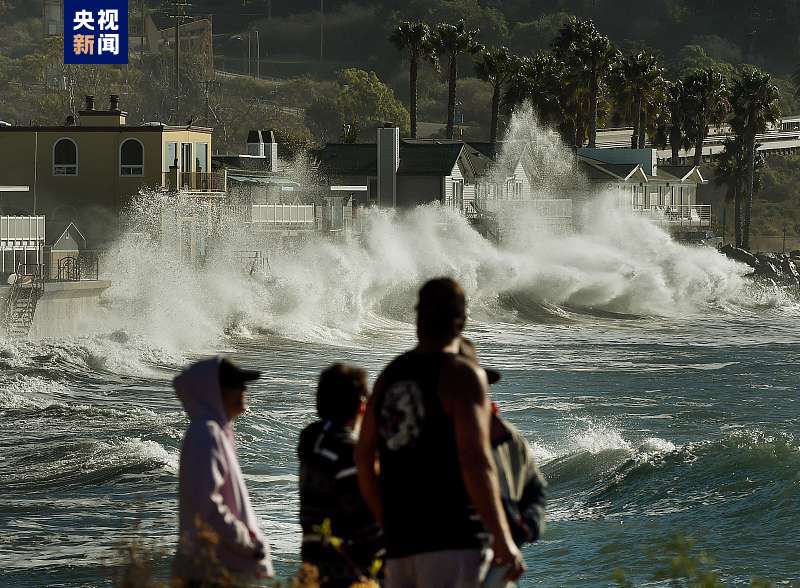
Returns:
<point x="331" y="291"/>
<point x="603" y="474"/>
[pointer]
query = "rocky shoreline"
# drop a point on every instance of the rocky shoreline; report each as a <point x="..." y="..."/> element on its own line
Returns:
<point x="780" y="268"/>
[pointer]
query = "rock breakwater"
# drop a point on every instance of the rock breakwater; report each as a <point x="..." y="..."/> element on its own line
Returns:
<point x="780" y="268"/>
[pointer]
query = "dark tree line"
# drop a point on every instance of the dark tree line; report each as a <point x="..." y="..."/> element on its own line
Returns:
<point x="583" y="80"/>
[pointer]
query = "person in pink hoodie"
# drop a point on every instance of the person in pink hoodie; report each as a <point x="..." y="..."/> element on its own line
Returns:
<point x="220" y="539"/>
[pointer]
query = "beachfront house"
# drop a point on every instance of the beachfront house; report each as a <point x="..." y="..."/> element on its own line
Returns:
<point x="477" y="180"/>
<point x="265" y="196"/>
<point x="633" y="178"/>
<point x="508" y="184"/>
<point x="88" y="169"/>
<point x="395" y="173"/>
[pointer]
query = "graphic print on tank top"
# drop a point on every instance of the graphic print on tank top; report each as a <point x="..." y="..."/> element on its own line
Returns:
<point x="402" y="413"/>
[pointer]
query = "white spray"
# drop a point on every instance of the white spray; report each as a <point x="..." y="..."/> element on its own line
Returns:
<point x="321" y="289"/>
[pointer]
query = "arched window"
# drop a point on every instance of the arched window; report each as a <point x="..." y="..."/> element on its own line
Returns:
<point x="65" y="158"/>
<point x="131" y="158"/>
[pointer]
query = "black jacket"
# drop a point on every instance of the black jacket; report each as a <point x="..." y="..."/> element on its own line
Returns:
<point x="522" y="486"/>
<point x="329" y="491"/>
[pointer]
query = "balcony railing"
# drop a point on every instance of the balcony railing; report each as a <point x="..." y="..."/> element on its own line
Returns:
<point x="679" y="215"/>
<point x="545" y="209"/>
<point x="21" y="231"/>
<point x="196" y="183"/>
<point x="283" y="214"/>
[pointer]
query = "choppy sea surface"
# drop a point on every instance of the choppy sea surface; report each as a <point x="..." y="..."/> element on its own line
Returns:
<point x="643" y="426"/>
<point x="657" y="383"/>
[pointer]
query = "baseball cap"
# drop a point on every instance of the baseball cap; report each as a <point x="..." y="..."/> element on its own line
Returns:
<point x="231" y="375"/>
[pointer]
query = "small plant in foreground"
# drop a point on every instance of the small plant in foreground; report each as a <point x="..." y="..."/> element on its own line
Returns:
<point x="684" y="566"/>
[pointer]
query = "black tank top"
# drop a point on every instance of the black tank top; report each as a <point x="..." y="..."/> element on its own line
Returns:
<point x="426" y="506"/>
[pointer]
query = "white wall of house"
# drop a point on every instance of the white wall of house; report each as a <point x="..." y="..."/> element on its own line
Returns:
<point x="469" y="196"/>
<point x="652" y="194"/>
<point x="524" y="191"/>
<point x="454" y="189"/>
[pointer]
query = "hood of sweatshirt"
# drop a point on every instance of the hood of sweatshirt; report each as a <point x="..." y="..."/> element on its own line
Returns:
<point x="198" y="390"/>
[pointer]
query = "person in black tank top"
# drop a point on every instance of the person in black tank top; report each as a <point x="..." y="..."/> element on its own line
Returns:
<point x="424" y="459"/>
<point x="426" y="505"/>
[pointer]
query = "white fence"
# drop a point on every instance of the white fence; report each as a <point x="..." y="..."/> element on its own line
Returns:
<point x="283" y="214"/>
<point x="544" y="209"/>
<point x="685" y="215"/>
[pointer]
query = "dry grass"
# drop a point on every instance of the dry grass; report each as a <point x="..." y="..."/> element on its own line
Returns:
<point x="136" y="571"/>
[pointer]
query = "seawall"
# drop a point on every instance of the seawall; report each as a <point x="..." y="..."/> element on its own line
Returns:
<point x="65" y="307"/>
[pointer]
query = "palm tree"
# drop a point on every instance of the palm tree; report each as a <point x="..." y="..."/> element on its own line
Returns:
<point x="731" y="171"/>
<point x="655" y="102"/>
<point x="796" y="82"/>
<point x="552" y="88"/>
<point x="676" y="106"/>
<point x="637" y="76"/>
<point x="496" y="66"/>
<point x="707" y="103"/>
<point x="580" y="43"/>
<point x="453" y="41"/>
<point x="756" y="104"/>
<point x="417" y="39"/>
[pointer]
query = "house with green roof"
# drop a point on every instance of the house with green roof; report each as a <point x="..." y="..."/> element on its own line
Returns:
<point x="664" y="194"/>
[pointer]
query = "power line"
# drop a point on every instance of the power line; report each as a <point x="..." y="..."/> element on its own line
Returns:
<point x="181" y="7"/>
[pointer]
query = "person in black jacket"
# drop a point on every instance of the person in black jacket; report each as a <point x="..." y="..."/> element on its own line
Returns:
<point x="522" y="485"/>
<point x="340" y="535"/>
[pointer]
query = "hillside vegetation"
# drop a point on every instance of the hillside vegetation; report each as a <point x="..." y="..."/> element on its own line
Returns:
<point x="361" y="79"/>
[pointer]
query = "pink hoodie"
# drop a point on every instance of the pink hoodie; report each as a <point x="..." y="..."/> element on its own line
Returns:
<point x="212" y="493"/>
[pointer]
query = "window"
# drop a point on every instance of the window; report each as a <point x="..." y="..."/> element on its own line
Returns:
<point x="65" y="158"/>
<point x="131" y="158"/>
<point x="201" y="157"/>
<point x="170" y="156"/>
<point x="458" y="195"/>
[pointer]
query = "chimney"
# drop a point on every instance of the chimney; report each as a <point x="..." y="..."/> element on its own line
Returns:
<point x="89" y="103"/>
<point x="255" y="145"/>
<point x="388" y="164"/>
<point x="113" y="103"/>
<point x="270" y="146"/>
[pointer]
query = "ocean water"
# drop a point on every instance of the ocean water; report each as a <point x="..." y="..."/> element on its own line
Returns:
<point x="657" y="384"/>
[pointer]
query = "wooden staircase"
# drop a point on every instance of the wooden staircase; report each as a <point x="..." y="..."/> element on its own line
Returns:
<point x="20" y="307"/>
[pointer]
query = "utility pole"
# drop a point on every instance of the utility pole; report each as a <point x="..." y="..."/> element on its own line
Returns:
<point x="258" y="56"/>
<point x="321" y="29"/>
<point x="724" y="223"/>
<point x="784" y="238"/>
<point x="180" y="14"/>
<point x="141" y="39"/>
<point x="209" y="86"/>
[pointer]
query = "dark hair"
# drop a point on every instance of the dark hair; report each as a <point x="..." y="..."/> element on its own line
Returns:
<point x="442" y="308"/>
<point x="340" y="392"/>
